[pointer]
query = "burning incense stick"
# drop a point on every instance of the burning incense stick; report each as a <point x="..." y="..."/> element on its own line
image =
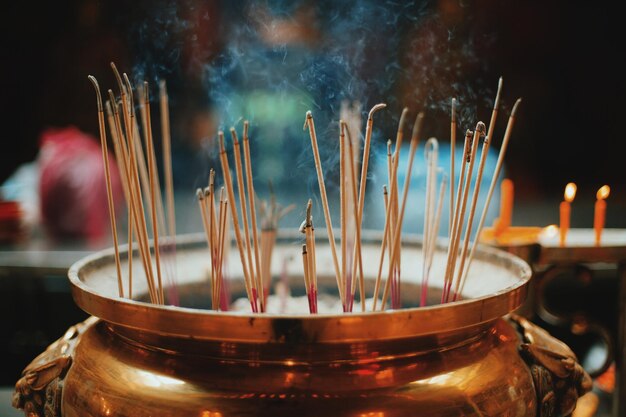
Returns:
<point x="307" y="279"/>
<point x="343" y="217"/>
<point x="222" y="240"/>
<point x="244" y="213"/>
<point x="469" y="161"/>
<point x="431" y="152"/>
<point x="125" y="187"/>
<point x="233" y="211"/>
<point x="205" y="224"/>
<point x="167" y="159"/>
<point x="251" y="198"/>
<point x="452" y="157"/>
<point x="153" y="183"/>
<point x="107" y="176"/>
<point x="311" y="268"/>
<point x="492" y="186"/>
<point x="470" y="218"/>
<point x="320" y="180"/>
<point x="417" y="128"/>
<point x="357" y="259"/>
<point x="393" y="187"/>
<point x="486" y="144"/>
<point x="135" y="201"/>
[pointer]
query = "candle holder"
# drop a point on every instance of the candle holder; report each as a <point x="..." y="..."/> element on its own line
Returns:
<point x="582" y="262"/>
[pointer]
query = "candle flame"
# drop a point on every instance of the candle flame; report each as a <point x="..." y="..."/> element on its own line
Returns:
<point x="570" y="192"/>
<point x="603" y="192"/>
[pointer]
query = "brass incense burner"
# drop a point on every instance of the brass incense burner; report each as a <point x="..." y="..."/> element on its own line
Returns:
<point x="461" y="358"/>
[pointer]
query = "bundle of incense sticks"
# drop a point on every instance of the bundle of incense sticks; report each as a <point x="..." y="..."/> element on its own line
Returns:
<point x="461" y="216"/>
<point x="146" y="214"/>
<point x="140" y="183"/>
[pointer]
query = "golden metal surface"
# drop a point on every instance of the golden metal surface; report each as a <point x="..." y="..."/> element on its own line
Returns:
<point x="443" y="360"/>
<point x="483" y="375"/>
<point x="206" y="324"/>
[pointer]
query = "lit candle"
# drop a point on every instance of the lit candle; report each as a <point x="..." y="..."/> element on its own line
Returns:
<point x="565" y="210"/>
<point x="599" y="213"/>
<point x="506" y="207"/>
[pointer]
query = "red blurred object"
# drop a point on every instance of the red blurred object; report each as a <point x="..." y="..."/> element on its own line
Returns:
<point x="10" y="221"/>
<point x="72" y="186"/>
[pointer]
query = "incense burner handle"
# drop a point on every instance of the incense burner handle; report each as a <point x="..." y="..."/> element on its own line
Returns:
<point x="558" y="377"/>
<point x="38" y="391"/>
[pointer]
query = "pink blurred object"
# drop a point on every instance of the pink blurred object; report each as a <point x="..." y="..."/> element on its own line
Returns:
<point x="72" y="186"/>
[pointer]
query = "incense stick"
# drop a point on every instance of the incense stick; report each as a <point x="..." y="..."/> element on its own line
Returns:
<point x="485" y="149"/>
<point x="399" y="138"/>
<point x="357" y="258"/>
<point x="470" y="218"/>
<point x="251" y="198"/>
<point x="469" y="159"/>
<point x="167" y="160"/>
<point x="417" y="128"/>
<point x="136" y="205"/>
<point x="233" y="211"/>
<point x="124" y="180"/>
<point x="320" y="180"/>
<point x="494" y="180"/>
<point x="431" y="152"/>
<point x="452" y="158"/>
<point x="244" y="213"/>
<point x="152" y="173"/>
<point x="109" y="188"/>
<point x="343" y="217"/>
<point x="205" y="224"/>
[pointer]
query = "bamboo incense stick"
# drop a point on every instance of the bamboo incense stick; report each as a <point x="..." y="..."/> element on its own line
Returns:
<point x="486" y="144"/>
<point x="231" y="196"/>
<point x="494" y="180"/>
<point x="393" y="187"/>
<point x="305" y="266"/>
<point x="310" y="272"/>
<point x="470" y="218"/>
<point x="120" y="165"/>
<point x="253" y="217"/>
<point x="417" y="127"/>
<point x="457" y="207"/>
<point x="109" y="188"/>
<point x="135" y="200"/>
<point x="222" y="240"/>
<point x="343" y="216"/>
<point x="431" y="152"/>
<point x="320" y="180"/>
<point x="128" y="111"/>
<point x="469" y="161"/>
<point x="244" y="213"/>
<point x="357" y="259"/>
<point x="167" y="160"/>
<point x="153" y="184"/>
<point x="205" y="224"/>
<point x="452" y="157"/>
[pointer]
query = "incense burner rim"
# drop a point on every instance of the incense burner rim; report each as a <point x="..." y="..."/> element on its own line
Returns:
<point x="250" y="327"/>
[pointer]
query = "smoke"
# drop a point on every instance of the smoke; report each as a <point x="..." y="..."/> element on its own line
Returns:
<point x="271" y="61"/>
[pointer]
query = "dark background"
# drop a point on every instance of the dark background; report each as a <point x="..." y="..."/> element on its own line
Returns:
<point x="562" y="58"/>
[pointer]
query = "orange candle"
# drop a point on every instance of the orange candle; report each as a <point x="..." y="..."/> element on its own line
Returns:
<point x="565" y="210"/>
<point x="599" y="214"/>
<point x="506" y="206"/>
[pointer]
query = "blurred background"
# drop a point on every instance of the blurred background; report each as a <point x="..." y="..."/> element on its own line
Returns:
<point x="270" y="62"/>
